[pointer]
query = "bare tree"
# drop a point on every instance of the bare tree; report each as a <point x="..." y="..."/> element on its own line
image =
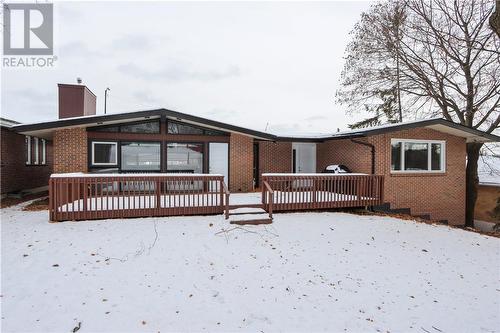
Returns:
<point x="449" y="66"/>
<point x="371" y="74"/>
<point x="495" y="19"/>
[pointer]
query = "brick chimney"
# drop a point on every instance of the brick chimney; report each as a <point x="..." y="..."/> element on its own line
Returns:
<point x="76" y="100"/>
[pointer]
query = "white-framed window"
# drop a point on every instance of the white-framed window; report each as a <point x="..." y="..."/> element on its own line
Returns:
<point x="44" y="152"/>
<point x="418" y="156"/>
<point x="36" y="149"/>
<point x="27" y="141"/>
<point x="104" y="153"/>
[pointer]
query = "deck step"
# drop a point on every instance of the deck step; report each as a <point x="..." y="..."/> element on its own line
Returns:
<point x="233" y="207"/>
<point x="383" y="208"/>
<point x="423" y="216"/>
<point x="404" y="211"/>
<point x="246" y="213"/>
<point x="252" y="222"/>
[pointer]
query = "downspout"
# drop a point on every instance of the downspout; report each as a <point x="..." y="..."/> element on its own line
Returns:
<point x="372" y="148"/>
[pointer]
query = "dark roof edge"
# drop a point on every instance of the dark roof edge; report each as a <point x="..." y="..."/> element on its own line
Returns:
<point x="430" y="122"/>
<point x="183" y="116"/>
<point x="214" y="123"/>
<point x="416" y="124"/>
<point x="139" y="114"/>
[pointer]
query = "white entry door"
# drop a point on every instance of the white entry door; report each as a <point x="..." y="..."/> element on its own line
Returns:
<point x="218" y="159"/>
<point x="304" y="155"/>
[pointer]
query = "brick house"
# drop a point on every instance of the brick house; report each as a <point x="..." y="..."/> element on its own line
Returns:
<point x="25" y="162"/>
<point x="423" y="162"/>
<point x="488" y="191"/>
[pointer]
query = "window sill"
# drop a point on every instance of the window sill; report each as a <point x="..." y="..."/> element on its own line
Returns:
<point x="419" y="174"/>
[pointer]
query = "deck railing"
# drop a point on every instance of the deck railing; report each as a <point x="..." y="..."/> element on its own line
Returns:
<point x="267" y="198"/>
<point x="289" y="192"/>
<point x="100" y="196"/>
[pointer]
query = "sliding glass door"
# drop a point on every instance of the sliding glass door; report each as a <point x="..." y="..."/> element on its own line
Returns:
<point x="185" y="158"/>
<point x="140" y="156"/>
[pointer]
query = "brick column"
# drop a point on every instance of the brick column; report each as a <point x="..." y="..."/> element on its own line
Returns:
<point x="275" y="157"/>
<point x="240" y="163"/>
<point x="70" y="150"/>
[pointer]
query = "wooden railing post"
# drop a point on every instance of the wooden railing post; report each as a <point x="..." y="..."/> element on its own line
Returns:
<point x="158" y="196"/>
<point x="267" y="189"/>
<point x="221" y="190"/>
<point x="263" y="198"/>
<point x="358" y="190"/>
<point x="314" y="192"/>
<point x="271" y="204"/>
<point x="225" y="190"/>
<point x="51" y="200"/>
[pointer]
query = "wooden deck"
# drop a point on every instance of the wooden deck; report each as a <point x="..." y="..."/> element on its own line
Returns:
<point x="98" y="196"/>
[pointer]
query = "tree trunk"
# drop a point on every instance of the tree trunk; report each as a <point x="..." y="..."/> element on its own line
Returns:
<point x="495" y="19"/>
<point x="400" y="112"/>
<point x="471" y="181"/>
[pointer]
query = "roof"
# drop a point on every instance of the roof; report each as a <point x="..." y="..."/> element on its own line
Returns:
<point x="45" y="129"/>
<point x="488" y="170"/>
<point x="42" y="128"/>
<point x="4" y="122"/>
<point x="438" y="124"/>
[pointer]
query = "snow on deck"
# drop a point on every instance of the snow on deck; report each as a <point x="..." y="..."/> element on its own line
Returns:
<point x="142" y="202"/>
<point x="201" y="200"/>
<point x="313" y="174"/>
<point x="305" y="272"/>
<point x="126" y="175"/>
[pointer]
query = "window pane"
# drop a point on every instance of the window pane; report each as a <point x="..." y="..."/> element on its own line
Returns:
<point x="28" y="149"/>
<point x="36" y="148"/>
<point x="416" y="156"/>
<point x="44" y="151"/>
<point x="147" y="127"/>
<point x="104" y="153"/>
<point x="178" y="128"/>
<point x="185" y="157"/>
<point x="436" y="156"/>
<point x="105" y="129"/>
<point x="140" y="156"/>
<point x="396" y="156"/>
<point x="214" y="132"/>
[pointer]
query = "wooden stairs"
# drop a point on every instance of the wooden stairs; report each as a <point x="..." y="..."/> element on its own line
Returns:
<point x="386" y="208"/>
<point x="249" y="214"/>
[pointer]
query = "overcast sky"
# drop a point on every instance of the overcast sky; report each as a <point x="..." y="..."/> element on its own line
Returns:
<point x="245" y="63"/>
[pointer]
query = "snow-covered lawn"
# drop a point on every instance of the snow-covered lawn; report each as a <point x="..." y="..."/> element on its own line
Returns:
<point x="305" y="272"/>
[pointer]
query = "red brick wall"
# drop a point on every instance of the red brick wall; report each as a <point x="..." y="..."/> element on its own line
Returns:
<point x="487" y="201"/>
<point x="75" y="100"/>
<point x="275" y="157"/>
<point x="15" y="175"/>
<point x="240" y="163"/>
<point x="70" y="150"/>
<point x="354" y="156"/>
<point x="440" y="195"/>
